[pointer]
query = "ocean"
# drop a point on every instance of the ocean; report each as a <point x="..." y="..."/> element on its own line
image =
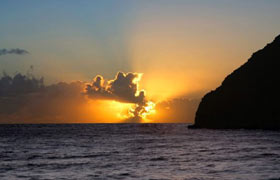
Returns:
<point x="137" y="151"/>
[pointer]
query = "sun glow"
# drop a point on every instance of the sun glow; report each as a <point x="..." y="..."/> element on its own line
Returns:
<point x="117" y="112"/>
<point x="148" y="110"/>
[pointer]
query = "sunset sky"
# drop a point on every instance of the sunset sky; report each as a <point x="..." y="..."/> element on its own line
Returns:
<point x="181" y="49"/>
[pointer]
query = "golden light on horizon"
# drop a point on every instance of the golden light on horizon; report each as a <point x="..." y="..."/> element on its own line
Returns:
<point x="110" y="111"/>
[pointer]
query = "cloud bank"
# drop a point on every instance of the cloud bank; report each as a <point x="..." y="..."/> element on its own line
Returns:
<point x="26" y="99"/>
<point x="178" y="110"/>
<point x="16" y="51"/>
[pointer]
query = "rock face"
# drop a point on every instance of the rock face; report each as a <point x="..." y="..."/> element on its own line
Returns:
<point x="248" y="98"/>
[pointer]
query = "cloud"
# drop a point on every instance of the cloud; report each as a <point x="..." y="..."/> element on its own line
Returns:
<point x="26" y="99"/>
<point x="124" y="88"/>
<point x="180" y="110"/>
<point x="13" y="91"/>
<point x="13" y="51"/>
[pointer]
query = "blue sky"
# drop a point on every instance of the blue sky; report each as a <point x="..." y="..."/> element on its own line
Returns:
<point x="75" y="40"/>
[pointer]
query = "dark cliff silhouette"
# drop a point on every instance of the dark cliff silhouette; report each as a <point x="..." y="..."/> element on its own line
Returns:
<point x="248" y="98"/>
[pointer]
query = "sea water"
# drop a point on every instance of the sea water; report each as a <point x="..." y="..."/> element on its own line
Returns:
<point x="137" y="151"/>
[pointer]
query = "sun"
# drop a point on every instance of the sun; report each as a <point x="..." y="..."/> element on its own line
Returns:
<point x="148" y="109"/>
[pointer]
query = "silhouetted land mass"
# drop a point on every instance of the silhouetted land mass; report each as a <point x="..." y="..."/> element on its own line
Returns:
<point x="248" y="98"/>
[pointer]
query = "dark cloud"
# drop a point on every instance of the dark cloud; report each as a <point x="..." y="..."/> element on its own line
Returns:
<point x="124" y="88"/>
<point x="25" y="99"/>
<point x="13" y="51"/>
<point x="13" y="91"/>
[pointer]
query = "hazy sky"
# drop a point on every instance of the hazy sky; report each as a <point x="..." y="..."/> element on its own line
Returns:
<point x="182" y="47"/>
